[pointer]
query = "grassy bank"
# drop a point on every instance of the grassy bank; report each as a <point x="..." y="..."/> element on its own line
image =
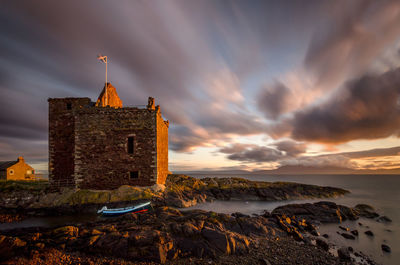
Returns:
<point x="24" y="185"/>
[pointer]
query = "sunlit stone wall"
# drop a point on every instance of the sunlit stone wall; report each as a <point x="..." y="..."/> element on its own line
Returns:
<point x="88" y="145"/>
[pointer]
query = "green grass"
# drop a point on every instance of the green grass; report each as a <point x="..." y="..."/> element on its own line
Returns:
<point x="18" y="185"/>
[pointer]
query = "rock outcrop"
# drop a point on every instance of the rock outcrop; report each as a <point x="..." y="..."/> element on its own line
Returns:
<point x="320" y="212"/>
<point x="184" y="191"/>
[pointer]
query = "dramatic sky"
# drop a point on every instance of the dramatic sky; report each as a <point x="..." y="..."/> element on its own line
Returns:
<point x="245" y="84"/>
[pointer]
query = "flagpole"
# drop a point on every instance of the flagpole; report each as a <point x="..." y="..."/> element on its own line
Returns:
<point x="106" y="83"/>
<point x="104" y="59"/>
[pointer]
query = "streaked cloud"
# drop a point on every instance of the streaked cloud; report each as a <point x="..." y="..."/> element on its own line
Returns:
<point x="366" y="108"/>
<point x="293" y="73"/>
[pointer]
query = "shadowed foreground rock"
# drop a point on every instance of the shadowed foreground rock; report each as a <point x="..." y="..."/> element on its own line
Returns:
<point x="168" y="235"/>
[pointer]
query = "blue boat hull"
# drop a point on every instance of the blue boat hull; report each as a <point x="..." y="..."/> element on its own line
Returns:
<point x="142" y="208"/>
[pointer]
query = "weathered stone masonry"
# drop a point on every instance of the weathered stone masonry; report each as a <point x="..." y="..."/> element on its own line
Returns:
<point x="88" y="144"/>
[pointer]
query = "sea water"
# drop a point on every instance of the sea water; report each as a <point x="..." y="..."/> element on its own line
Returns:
<point x="380" y="191"/>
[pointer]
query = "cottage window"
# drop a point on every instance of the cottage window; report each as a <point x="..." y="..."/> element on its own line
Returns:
<point x="69" y="106"/>
<point x="134" y="175"/>
<point x="131" y="144"/>
<point x="11" y="172"/>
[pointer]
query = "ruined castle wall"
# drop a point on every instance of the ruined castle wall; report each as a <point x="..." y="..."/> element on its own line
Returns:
<point x="61" y="140"/>
<point x="162" y="149"/>
<point x="102" y="160"/>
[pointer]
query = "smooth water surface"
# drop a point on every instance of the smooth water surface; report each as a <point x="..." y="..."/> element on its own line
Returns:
<point x="380" y="191"/>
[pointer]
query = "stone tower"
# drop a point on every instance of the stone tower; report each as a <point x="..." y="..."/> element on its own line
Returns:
<point x="95" y="146"/>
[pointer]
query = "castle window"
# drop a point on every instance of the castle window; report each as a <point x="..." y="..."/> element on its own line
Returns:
<point x="134" y="175"/>
<point x="69" y="106"/>
<point x="131" y="144"/>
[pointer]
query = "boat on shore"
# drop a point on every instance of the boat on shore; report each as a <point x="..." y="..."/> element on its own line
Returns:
<point x="140" y="208"/>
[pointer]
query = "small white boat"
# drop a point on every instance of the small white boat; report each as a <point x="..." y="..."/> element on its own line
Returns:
<point x="140" y="208"/>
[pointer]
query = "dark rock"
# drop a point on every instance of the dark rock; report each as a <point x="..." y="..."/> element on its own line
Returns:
<point x="322" y="243"/>
<point x="9" y="246"/>
<point x="344" y="254"/>
<point x="350" y="249"/>
<point x="364" y="207"/>
<point x="239" y="244"/>
<point x="163" y="251"/>
<point x="365" y="210"/>
<point x="253" y="226"/>
<point x="286" y="225"/>
<point x="66" y="231"/>
<point x="112" y="244"/>
<point x="217" y="239"/>
<point x="344" y="228"/>
<point x="189" y="229"/>
<point x="311" y="228"/>
<point x="347" y="213"/>
<point x="266" y="214"/>
<point x="197" y="248"/>
<point x="354" y="232"/>
<point x="324" y="212"/>
<point x="384" y="219"/>
<point x="386" y="248"/>
<point x="360" y="224"/>
<point x="142" y="238"/>
<point x="325" y="235"/>
<point x="264" y="261"/>
<point x="237" y="215"/>
<point x="347" y="236"/>
<point x="369" y="233"/>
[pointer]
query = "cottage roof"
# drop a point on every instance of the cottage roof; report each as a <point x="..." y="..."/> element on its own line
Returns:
<point x="6" y="164"/>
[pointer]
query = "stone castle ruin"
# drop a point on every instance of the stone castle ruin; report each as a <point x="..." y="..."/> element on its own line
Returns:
<point x="103" y="145"/>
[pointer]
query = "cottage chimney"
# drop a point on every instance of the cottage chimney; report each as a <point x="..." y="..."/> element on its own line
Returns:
<point x="20" y="159"/>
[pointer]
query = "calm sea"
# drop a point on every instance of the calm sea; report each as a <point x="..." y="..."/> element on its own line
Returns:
<point x="380" y="191"/>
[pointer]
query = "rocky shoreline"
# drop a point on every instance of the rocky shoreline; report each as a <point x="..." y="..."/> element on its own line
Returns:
<point x="184" y="191"/>
<point x="179" y="191"/>
<point x="287" y="235"/>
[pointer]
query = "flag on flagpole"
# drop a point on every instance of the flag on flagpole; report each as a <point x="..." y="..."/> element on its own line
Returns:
<point x="102" y="58"/>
